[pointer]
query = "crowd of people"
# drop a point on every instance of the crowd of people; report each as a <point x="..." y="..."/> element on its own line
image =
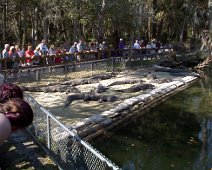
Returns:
<point x="33" y="57"/>
<point x="15" y="113"/>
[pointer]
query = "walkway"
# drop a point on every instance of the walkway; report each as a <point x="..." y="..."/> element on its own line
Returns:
<point x="20" y="152"/>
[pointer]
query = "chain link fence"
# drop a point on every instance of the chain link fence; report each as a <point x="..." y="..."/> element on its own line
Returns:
<point x="63" y="144"/>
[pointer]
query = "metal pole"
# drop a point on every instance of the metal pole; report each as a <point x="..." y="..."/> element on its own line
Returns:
<point x="66" y="71"/>
<point x="48" y="133"/>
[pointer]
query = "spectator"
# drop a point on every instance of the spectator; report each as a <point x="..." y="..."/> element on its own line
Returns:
<point x="14" y="55"/>
<point x="73" y="50"/>
<point x="52" y="50"/>
<point x="19" y="51"/>
<point x="103" y="47"/>
<point x="37" y="59"/>
<point x="5" y="55"/>
<point x="14" y="114"/>
<point x="136" y="45"/>
<point x="121" y="44"/>
<point x="58" y="59"/>
<point x="43" y="47"/>
<point x="80" y="49"/>
<point x="66" y="46"/>
<point x="8" y="91"/>
<point x="5" y="52"/>
<point x="29" y="55"/>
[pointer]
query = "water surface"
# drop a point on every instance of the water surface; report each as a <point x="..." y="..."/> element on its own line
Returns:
<point x="175" y="135"/>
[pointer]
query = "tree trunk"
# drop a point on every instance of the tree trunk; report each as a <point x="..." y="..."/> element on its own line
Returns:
<point x="182" y="31"/>
<point x="4" y="21"/>
<point x="154" y="24"/>
<point x="160" y="27"/>
<point x="24" y="32"/>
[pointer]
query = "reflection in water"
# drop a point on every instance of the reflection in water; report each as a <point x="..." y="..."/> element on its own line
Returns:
<point x="175" y="135"/>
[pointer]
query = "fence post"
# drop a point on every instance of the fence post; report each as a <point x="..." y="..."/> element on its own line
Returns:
<point x="98" y="55"/>
<point x="37" y="76"/>
<point x="66" y="70"/>
<point x="112" y="63"/>
<point x="48" y="133"/>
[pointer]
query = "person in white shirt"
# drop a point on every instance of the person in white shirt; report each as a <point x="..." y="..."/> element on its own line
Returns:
<point x="136" y="45"/>
<point x="43" y="47"/>
<point x="5" y="52"/>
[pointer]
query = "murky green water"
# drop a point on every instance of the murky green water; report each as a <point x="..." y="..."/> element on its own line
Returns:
<point x="175" y="135"/>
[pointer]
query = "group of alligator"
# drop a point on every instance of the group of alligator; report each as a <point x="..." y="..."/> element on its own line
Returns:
<point x="98" y="94"/>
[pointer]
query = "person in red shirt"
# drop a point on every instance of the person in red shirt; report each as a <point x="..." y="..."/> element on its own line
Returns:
<point x="29" y="55"/>
<point x="58" y="59"/>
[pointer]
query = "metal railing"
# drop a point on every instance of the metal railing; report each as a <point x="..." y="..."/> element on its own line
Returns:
<point x="63" y="144"/>
<point x="66" y="71"/>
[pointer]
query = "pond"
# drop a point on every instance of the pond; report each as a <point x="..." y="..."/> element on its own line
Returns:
<point x="175" y="135"/>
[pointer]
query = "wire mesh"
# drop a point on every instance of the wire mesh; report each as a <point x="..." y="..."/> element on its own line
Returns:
<point x="63" y="144"/>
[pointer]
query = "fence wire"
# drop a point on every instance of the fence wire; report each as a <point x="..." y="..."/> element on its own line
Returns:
<point x="63" y="144"/>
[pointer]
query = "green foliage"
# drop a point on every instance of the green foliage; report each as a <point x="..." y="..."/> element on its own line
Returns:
<point x="70" y="19"/>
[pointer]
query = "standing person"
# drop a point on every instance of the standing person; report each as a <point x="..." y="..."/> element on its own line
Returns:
<point x="73" y="50"/>
<point x="43" y="47"/>
<point x="80" y="49"/>
<point x="14" y="55"/>
<point x="29" y="55"/>
<point x="5" y="52"/>
<point x="5" y="55"/>
<point x="121" y="46"/>
<point x="103" y="47"/>
<point x="66" y="46"/>
<point x="21" y="53"/>
<point x="37" y="59"/>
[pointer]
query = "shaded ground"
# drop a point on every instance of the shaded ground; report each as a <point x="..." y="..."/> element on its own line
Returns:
<point x="20" y="152"/>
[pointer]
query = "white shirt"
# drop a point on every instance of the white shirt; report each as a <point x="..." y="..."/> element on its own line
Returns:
<point x="43" y="48"/>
